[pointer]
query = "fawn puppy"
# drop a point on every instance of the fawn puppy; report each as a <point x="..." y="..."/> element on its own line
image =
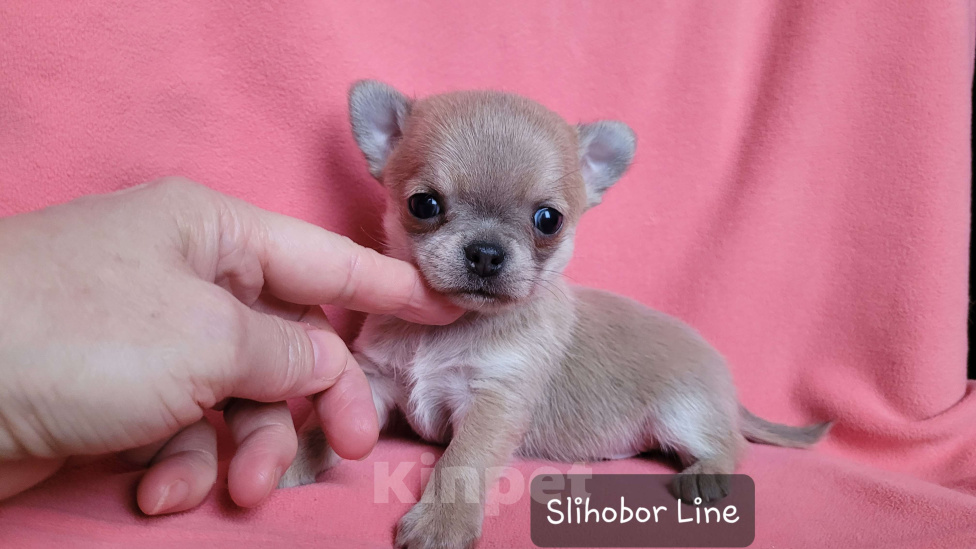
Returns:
<point x="485" y="193"/>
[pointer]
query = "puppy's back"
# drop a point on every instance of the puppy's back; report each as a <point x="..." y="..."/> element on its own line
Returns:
<point x="626" y="366"/>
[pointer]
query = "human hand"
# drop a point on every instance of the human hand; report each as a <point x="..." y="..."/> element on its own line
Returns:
<point x="124" y="317"/>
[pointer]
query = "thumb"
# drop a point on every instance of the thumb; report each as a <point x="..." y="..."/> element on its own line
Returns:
<point x="281" y="359"/>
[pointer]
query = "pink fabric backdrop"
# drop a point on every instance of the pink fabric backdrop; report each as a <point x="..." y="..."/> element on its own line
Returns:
<point x="800" y="195"/>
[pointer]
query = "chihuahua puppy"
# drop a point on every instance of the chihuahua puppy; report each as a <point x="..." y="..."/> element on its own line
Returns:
<point x="485" y="193"/>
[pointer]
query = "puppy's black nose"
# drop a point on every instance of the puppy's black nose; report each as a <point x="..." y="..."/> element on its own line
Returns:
<point x="484" y="259"/>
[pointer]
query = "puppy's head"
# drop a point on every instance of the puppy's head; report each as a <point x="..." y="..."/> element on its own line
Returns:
<point x="486" y="188"/>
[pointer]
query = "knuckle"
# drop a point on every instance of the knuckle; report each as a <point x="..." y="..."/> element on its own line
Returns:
<point x="254" y="422"/>
<point x="189" y="204"/>
<point x="292" y="354"/>
<point x="205" y="459"/>
<point x="301" y="357"/>
<point x="276" y="435"/>
<point x="282" y="435"/>
<point x="174" y="184"/>
<point x="180" y="193"/>
<point x="350" y="285"/>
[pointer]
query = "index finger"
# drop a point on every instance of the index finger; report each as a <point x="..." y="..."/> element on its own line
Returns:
<point x="306" y="264"/>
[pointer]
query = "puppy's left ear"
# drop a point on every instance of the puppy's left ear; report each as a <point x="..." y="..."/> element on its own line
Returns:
<point x="606" y="151"/>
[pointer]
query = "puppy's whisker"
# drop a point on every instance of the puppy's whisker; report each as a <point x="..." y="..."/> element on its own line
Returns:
<point x="558" y="273"/>
<point x="552" y="288"/>
<point x="380" y="243"/>
<point x="548" y="289"/>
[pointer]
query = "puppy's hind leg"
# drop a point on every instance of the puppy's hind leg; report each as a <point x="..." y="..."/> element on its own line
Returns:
<point x="708" y="445"/>
<point x="314" y="455"/>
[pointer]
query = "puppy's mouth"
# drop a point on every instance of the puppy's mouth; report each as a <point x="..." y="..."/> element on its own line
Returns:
<point x="483" y="295"/>
<point x="473" y="294"/>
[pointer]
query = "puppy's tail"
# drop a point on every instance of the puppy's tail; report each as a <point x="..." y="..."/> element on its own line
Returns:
<point x="757" y="429"/>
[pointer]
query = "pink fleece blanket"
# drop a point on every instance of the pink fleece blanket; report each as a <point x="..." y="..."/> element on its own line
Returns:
<point x="800" y="195"/>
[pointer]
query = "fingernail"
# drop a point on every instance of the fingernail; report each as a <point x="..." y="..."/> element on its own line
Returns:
<point x="172" y="496"/>
<point x="325" y="369"/>
<point x="275" y="479"/>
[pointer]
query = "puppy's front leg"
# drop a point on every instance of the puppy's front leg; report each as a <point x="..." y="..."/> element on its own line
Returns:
<point x="450" y="513"/>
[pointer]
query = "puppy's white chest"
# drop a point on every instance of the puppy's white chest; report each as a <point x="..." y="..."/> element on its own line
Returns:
<point x="437" y="391"/>
<point x="437" y="373"/>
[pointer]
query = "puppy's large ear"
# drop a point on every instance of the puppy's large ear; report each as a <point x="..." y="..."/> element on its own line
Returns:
<point x="606" y="151"/>
<point x="378" y="113"/>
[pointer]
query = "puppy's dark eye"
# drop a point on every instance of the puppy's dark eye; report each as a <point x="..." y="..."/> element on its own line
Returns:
<point x="548" y="220"/>
<point x="424" y="206"/>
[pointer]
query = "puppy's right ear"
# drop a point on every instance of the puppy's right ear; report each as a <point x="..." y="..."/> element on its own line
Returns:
<point x="606" y="151"/>
<point x="378" y="113"/>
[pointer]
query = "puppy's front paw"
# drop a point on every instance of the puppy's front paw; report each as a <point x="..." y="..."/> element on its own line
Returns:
<point x="440" y="526"/>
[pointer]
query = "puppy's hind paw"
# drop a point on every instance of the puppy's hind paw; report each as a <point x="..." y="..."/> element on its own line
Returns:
<point x="709" y="487"/>
<point x="299" y="474"/>
<point x="314" y="456"/>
